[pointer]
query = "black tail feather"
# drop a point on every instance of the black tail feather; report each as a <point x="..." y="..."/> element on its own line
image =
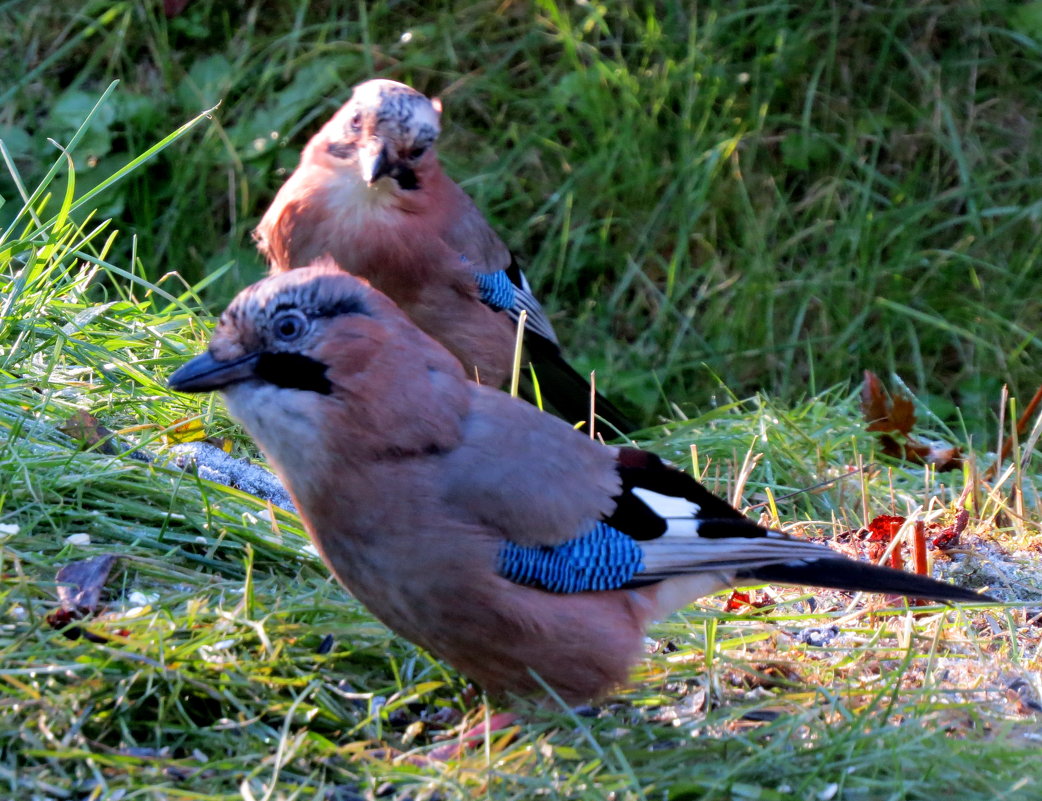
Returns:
<point x="856" y="576"/>
<point x="566" y="392"/>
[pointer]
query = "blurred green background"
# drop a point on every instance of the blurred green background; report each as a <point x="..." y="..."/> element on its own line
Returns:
<point x="712" y="199"/>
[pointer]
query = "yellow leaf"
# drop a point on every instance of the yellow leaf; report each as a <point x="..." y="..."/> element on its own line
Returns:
<point x="185" y="430"/>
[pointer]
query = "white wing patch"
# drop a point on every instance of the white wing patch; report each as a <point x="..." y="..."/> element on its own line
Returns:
<point x="673" y="510"/>
<point x="669" y="507"/>
<point x="682" y="550"/>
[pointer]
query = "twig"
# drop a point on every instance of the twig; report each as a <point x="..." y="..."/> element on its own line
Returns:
<point x="812" y="487"/>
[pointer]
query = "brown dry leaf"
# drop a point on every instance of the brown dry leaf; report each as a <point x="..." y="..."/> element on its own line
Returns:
<point x="79" y="590"/>
<point x="894" y="417"/>
<point x="875" y="405"/>
<point x="80" y="583"/>
<point x="87" y="430"/>
<point x="885" y="413"/>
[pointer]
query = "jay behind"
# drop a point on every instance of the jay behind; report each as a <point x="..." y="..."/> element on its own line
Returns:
<point x="371" y="194"/>
<point x="490" y="533"/>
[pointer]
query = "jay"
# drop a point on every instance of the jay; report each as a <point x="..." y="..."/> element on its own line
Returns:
<point x="490" y="533"/>
<point x="371" y="194"/>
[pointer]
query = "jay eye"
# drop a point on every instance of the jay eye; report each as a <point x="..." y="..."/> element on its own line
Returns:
<point x="289" y="326"/>
<point x="356" y="122"/>
<point x="416" y="152"/>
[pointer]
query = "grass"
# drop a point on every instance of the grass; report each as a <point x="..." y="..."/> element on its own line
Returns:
<point x="775" y="195"/>
<point x="784" y="195"/>
<point x="233" y="667"/>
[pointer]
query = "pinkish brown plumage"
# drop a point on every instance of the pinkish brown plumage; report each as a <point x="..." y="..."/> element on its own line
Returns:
<point x="469" y="522"/>
<point x="370" y="194"/>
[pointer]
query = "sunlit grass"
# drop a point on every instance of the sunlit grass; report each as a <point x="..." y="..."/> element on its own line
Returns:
<point x="226" y="663"/>
<point x="760" y="190"/>
<point x="774" y="196"/>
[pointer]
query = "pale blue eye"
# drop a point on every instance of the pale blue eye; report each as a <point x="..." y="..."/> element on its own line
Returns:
<point x="289" y="325"/>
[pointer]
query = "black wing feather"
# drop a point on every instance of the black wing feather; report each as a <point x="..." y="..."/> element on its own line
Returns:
<point x="565" y="390"/>
<point x="856" y="576"/>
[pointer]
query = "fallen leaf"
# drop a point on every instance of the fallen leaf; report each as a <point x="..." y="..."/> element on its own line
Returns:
<point x="949" y="537"/>
<point x="885" y="413"/>
<point x="881" y="532"/>
<point x="191" y="429"/>
<point x="79" y="592"/>
<point x="80" y="583"/>
<point x="884" y="528"/>
<point x="185" y="429"/>
<point x="739" y="599"/>
<point x="894" y="417"/>
<point x="88" y="431"/>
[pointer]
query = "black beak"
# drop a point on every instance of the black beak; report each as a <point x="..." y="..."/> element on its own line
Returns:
<point x="204" y="373"/>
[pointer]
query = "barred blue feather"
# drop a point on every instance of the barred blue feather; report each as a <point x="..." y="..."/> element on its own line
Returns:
<point x="496" y="290"/>
<point x="604" y="559"/>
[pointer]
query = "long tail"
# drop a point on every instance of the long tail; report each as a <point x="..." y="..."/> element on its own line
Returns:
<point x="566" y="391"/>
<point x="856" y="576"/>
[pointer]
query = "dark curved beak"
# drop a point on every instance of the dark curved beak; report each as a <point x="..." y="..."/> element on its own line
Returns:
<point x="374" y="166"/>
<point x="204" y="373"/>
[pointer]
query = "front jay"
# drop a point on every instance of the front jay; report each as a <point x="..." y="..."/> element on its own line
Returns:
<point x="480" y="528"/>
<point x="371" y="194"/>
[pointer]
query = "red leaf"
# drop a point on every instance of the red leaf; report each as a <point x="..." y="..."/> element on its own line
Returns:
<point x="739" y="599"/>
<point x="881" y="531"/>
<point x="884" y="528"/>
<point x="949" y="537"/>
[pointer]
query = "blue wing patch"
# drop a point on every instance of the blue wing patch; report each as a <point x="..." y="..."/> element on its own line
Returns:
<point x="496" y="290"/>
<point x="604" y="559"/>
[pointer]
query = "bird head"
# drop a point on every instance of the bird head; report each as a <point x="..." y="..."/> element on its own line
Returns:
<point x="386" y="130"/>
<point x="314" y="357"/>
